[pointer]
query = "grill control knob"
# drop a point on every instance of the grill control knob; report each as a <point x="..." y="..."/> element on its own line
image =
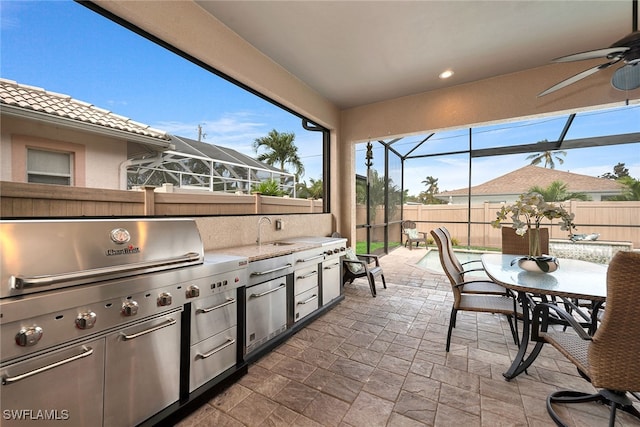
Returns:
<point x="164" y="299"/>
<point x="86" y="320"/>
<point x="193" y="291"/>
<point x="29" y="336"/>
<point x="129" y="308"/>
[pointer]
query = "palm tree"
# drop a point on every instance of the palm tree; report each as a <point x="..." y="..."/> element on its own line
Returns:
<point x="432" y="185"/>
<point x="547" y="156"/>
<point x="632" y="192"/>
<point x="280" y="151"/>
<point x="557" y="192"/>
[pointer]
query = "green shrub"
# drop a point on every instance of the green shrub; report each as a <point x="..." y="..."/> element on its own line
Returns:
<point x="270" y="187"/>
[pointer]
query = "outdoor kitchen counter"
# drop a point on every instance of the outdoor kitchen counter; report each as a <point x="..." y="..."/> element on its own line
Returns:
<point x="265" y="250"/>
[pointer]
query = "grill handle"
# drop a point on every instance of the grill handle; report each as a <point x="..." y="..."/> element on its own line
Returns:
<point x="19" y="282"/>
<point x="329" y="267"/>
<point x="86" y="351"/>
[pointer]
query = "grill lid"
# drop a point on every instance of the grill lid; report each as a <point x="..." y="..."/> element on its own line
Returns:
<point x="40" y="255"/>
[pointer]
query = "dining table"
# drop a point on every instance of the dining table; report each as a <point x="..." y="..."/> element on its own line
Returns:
<point x="574" y="280"/>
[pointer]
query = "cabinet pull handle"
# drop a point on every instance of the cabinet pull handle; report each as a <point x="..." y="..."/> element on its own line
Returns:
<point x="229" y="342"/>
<point x="282" y="285"/>
<point x="207" y="310"/>
<point x="86" y="351"/>
<point x="329" y="267"/>
<point x="168" y="322"/>
<point x="307" y="301"/>
<point x="262" y="273"/>
<point x="305" y="276"/>
<point x="311" y="258"/>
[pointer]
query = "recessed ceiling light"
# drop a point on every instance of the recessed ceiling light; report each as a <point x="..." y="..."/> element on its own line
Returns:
<point x="446" y="74"/>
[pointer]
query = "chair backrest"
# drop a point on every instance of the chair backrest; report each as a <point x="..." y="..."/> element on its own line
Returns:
<point x="614" y="353"/>
<point x="449" y="245"/>
<point x="408" y="224"/>
<point x="519" y="245"/>
<point x="447" y="263"/>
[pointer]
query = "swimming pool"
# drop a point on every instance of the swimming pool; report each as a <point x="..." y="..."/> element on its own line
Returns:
<point x="431" y="260"/>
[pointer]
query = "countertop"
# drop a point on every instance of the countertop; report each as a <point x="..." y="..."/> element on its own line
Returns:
<point x="265" y="250"/>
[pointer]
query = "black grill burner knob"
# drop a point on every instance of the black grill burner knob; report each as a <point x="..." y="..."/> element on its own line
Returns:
<point x="129" y="308"/>
<point x="29" y="336"/>
<point x="164" y="299"/>
<point x="86" y="320"/>
<point x="193" y="291"/>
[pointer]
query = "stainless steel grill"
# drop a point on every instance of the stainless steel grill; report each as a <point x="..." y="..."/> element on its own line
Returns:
<point x="102" y="299"/>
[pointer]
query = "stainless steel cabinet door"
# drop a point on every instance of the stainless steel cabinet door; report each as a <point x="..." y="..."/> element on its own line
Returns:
<point x="331" y="280"/>
<point x="61" y="388"/>
<point x="266" y="307"/>
<point x="212" y="315"/>
<point x="142" y="373"/>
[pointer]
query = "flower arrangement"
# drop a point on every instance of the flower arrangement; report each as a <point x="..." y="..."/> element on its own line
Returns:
<point x="526" y="214"/>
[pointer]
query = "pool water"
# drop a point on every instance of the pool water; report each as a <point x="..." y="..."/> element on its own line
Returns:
<point x="431" y="260"/>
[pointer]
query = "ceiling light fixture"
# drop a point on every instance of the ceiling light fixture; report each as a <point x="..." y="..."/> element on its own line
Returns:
<point x="446" y="74"/>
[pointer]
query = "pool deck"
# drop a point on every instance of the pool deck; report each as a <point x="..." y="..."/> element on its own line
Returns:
<point x="381" y="362"/>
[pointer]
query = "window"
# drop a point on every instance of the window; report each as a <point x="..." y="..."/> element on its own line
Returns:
<point x="49" y="167"/>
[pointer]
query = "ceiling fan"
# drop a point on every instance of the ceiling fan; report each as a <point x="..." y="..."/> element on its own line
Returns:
<point x="627" y="49"/>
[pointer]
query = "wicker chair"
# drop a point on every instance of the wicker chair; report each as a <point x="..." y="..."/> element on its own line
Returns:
<point x="412" y="234"/>
<point x="476" y="285"/>
<point x="496" y="304"/>
<point x="610" y="358"/>
<point x="519" y="245"/>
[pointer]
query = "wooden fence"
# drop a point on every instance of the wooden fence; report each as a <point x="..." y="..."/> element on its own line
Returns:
<point x="22" y="200"/>
<point x="614" y="221"/>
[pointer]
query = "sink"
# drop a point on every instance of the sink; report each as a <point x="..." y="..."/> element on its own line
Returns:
<point x="278" y="244"/>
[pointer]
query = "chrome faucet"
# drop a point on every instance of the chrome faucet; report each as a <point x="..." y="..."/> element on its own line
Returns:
<point x="259" y="240"/>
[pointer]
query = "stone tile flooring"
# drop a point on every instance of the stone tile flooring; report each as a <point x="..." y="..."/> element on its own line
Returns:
<point x="381" y="362"/>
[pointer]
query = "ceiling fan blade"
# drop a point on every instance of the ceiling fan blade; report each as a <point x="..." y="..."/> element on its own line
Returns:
<point x="579" y="76"/>
<point x="626" y="77"/>
<point x="611" y="52"/>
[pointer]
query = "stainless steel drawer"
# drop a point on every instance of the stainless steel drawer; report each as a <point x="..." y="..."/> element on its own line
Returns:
<point x="305" y="304"/>
<point x="305" y="279"/>
<point x="212" y="315"/>
<point x="212" y="356"/>
<point x="308" y="258"/>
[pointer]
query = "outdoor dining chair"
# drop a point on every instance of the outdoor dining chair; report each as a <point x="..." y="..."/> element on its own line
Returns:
<point x="610" y="358"/>
<point x="481" y="303"/>
<point x="412" y="234"/>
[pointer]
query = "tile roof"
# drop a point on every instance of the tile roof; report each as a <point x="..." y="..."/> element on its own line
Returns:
<point x="58" y="105"/>
<point x="520" y="180"/>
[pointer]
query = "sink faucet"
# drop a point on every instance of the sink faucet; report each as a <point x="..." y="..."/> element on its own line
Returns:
<point x="260" y="222"/>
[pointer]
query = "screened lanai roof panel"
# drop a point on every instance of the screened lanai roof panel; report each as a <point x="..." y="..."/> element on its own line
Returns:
<point x="215" y="152"/>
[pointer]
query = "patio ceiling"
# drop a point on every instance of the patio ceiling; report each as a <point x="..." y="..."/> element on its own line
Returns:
<point x="359" y="52"/>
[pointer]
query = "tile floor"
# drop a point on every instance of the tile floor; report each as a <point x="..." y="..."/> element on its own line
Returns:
<point x="381" y="362"/>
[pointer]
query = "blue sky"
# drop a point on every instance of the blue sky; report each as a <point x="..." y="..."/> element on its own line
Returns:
<point x="64" y="47"/>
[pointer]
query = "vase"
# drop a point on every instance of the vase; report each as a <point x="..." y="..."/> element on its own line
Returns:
<point x="534" y="242"/>
<point x="543" y="264"/>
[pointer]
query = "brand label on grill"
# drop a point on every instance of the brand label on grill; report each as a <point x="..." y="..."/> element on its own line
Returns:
<point x="124" y="251"/>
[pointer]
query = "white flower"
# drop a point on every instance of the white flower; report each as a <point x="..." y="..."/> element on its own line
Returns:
<point x="521" y="231"/>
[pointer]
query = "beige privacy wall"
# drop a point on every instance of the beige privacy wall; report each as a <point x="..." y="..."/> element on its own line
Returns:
<point x="229" y="231"/>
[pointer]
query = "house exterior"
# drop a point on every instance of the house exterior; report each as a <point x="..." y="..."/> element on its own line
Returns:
<point x="508" y="187"/>
<point x="52" y="138"/>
